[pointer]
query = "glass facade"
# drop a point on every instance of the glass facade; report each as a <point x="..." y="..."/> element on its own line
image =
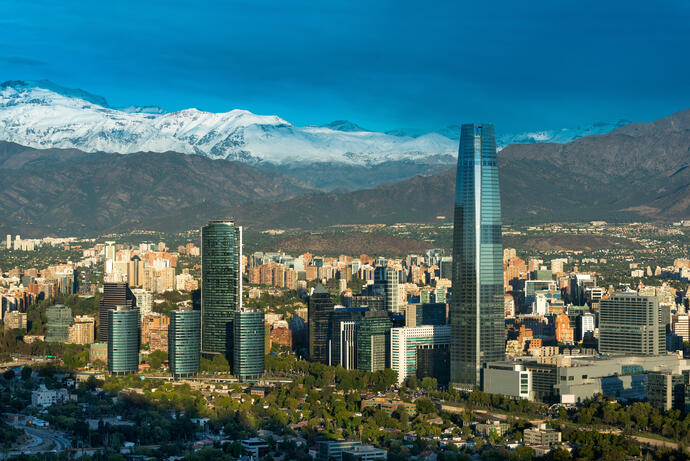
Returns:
<point x="373" y="341"/>
<point x="123" y="340"/>
<point x="114" y="294"/>
<point x="248" y="347"/>
<point x="477" y="316"/>
<point x="220" y="285"/>
<point x="184" y="342"/>
<point x="319" y="312"/>
<point x="59" y="318"/>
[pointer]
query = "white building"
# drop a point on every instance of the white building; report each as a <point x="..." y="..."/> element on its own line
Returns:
<point x="406" y="340"/>
<point x="586" y="324"/>
<point x="46" y="397"/>
<point x="144" y="301"/>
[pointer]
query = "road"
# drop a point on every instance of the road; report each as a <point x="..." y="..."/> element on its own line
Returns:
<point x="42" y="441"/>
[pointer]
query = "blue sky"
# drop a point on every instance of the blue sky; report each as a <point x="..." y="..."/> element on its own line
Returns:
<point x="387" y="64"/>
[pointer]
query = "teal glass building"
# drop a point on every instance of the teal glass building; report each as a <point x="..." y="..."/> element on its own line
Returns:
<point x="123" y="340"/>
<point x="373" y="341"/>
<point x="184" y="343"/>
<point x="248" y="345"/>
<point x="476" y="310"/>
<point x="221" y="285"/>
<point x="59" y="318"/>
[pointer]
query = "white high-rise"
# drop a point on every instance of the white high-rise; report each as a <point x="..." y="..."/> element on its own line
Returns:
<point x="406" y="340"/>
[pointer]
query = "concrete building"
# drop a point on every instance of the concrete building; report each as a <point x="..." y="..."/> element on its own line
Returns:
<point x="98" y="351"/>
<point x="509" y="379"/>
<point x="573" y="379"/>
<point x="364" y="453"/>
<point x="44" y="398"/>
<point x="345" y="450"/>
<point x="255" y="447"/>
<point x="540" y="436"/>
<point x="15" y="320"/>
<point x="631" y="324"/>
<point x="82" y="330"/>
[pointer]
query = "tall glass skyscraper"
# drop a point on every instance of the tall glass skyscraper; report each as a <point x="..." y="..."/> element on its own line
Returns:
<point x="221" y="285"/>
<point x="476" y="312"/>
<point x="184" y="342"/>
<point x="123" y="340"/>
<point x="248" y="345"/>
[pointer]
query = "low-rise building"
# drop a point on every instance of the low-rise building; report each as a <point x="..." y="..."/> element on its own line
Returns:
<point x="255" y="447"/>
<point x="540" y="436"/>
<point x="43" y="397"/>
<point x="490" y="427"/>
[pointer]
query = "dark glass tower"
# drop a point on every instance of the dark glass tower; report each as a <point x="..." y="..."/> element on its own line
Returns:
<point x="476" y="312"/>
<point x="114" y="294"/>
<point x="221" y="281"/>
<point x="319" y="311"/>
<point x="373" y="341"/>
<point x="184" y="342"/>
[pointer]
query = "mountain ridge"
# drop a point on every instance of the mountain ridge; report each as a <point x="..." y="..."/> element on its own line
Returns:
<point x="42" y="114"/>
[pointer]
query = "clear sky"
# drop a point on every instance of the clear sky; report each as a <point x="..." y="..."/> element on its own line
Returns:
<point x="524" y="65"/>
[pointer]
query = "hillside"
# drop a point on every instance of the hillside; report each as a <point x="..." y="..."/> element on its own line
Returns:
<point x="67" y="191"/>
<point x="639" y="171"/>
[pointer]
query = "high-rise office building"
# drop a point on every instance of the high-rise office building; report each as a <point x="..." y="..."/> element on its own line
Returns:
<point x="320" y="307"/>
<point x="477" y="317"/>
<point x="417" y="315"/>
<point x="114" y="294"/>
<point x="343" y="336"/>
<point x="631" y="324"/>
<point x="221" y="285"/>
<point x="123" y="340"/>
<point x="434" y="362"/>
<point x="392" y="293"/>
<point x="405" y="342"/>
<point x="184" y="342"/>
<point x="373" y="341"/>
<point x="248" y="345"/>
<point x="59" y="318"/>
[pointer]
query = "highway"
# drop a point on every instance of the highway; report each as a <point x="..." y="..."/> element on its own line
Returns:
<point x="42" y="441"/>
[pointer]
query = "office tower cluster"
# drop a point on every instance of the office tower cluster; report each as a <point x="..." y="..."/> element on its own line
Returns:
<point x="370" y="334"/>
<point x="222" y="326"/>
<point x="227" y="328"/>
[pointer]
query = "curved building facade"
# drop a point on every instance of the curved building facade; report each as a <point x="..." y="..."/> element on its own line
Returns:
<point x="221" y="280"/>
<point x="248" y="346"/>
<point x="184" y="342"/>
<point x="123" y="340"/>
<point x="477" y="315"/>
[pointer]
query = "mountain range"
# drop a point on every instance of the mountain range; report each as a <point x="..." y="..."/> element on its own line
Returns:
<point x="63" y="174"/>
<point x="636" y="172"/>
<point x="42" y="114"/>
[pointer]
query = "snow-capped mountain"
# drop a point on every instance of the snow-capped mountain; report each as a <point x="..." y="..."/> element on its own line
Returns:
<point x="42" y="114"/>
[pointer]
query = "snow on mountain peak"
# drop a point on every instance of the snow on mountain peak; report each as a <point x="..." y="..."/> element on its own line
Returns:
<point x="42" y="114"/>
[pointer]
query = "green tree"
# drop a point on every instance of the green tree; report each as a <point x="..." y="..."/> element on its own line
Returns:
<point x="425" y="406"/>
<point x="26" y="373"/>
<point x="156" y="359"/>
